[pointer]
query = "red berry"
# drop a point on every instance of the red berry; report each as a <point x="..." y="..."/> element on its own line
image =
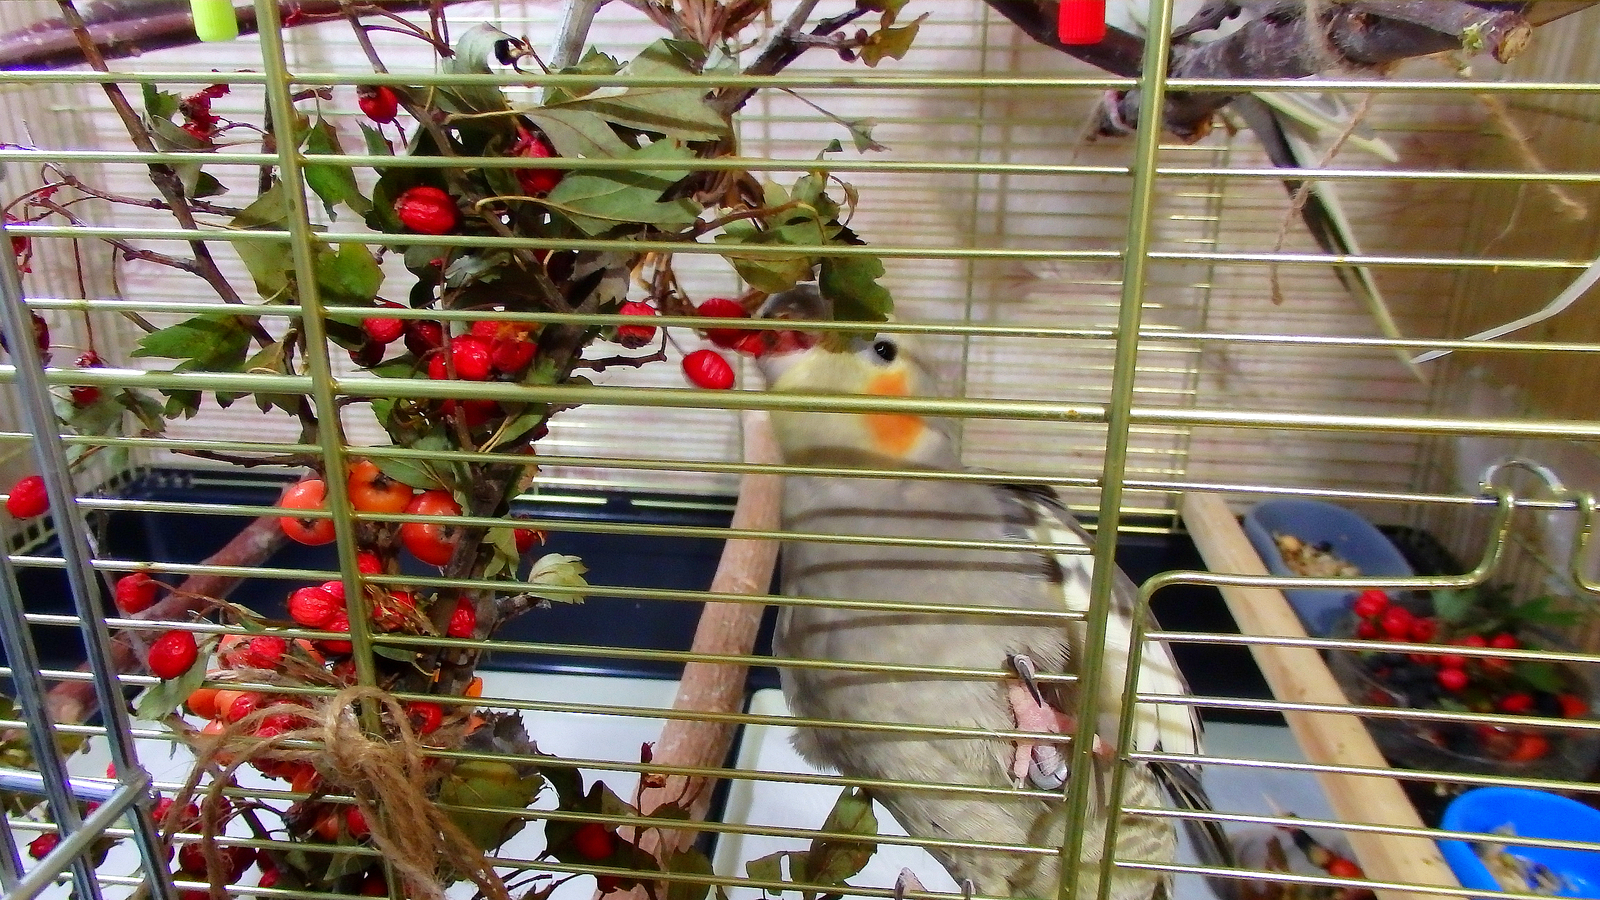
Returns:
<point x="356" y="821"/>
<point x="192" y="859"/>
<point x="1517" y="704"/>
<point x="1572" y="706"/>
<point x="310" y="494"/>
<point x="1452" y="661"/>
<point x="486" y="329"/>
<point x="28" y="498"/>
<point x="1504" y="642"/>
<point x="433" y="543"/>
<point x="426" y="717"/>
<point x="594" y="841"/>
<point x="40" y="847"/>
<point x="1424" y="629"/>
<point x="525" y="538"/>
<point x="378" y="102"/>
<point x="754" y="343"/>
<point x="427" y="210"/>
<point x="1339" y="867"/>
<point x="1366" y="630"/>
<point x="83" y="394"/>
<point x="468" y="354"/>
<point x="635" y="336"/>
<point x="339" y="623"/>
<point x="464" y="621"/>
<point x="1396" y="622"/>
<point x="536" y="181"/>
<point x="265" y="651"/>
<point x="334" y="588"/>
<point x="172" y="654"/>
<point x="1452" y="680"/>
<point x="723" y="308"/>
<point x="1530" y="747"/>
<point x="1370" y="603"/>
<point x="707" y="369"/>
<point x="313" y="607"/>
<point x="269" y="878"/>
<point x="473" y="412"/>
<point x="1473" y="640"/>
<point x="368" y="563"/>
<point x="136" y="593"/>
<point x="384" y="330"/>
<point x="242" y="705"/>
<point x="510" y="355"/>
<point x="423" y="337"/>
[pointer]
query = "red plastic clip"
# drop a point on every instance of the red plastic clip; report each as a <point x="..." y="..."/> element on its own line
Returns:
<point x="1082" y="21"/>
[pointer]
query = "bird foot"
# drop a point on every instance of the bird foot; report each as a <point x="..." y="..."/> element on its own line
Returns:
<point x="1208" y="17"/>
<point x="1039" y="762"/>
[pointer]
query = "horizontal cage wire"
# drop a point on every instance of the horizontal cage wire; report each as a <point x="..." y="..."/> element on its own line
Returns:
<point x="398" y="442"/>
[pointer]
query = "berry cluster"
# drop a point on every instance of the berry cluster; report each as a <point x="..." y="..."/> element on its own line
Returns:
<point x="1461" y="681"/>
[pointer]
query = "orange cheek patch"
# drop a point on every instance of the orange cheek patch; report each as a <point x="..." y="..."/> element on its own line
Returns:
<point x="894" y="433"/>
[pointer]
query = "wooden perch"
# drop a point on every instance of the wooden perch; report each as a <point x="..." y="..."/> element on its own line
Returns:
<point x="1298" y="675"/>
<point x="725" y="628"/>
<point x="71" y="702"/>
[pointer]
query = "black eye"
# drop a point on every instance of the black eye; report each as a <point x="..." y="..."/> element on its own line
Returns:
<point x="886" y="350"/>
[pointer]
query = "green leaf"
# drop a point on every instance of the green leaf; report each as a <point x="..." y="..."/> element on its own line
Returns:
<point x="334" y="184"/>
<point x="832" y="861"/>
<point x="577" y="132"/>
<point x="1542" y="676"/>
<point x="688" y="862"/>
<point x="348" y="276"/>
<point x="558" y="570"/>
<point x="676" y="112"/>
<point x="597" y="202"/>
<point x="377" y="144"/>
<point x="476" y="267"/>
<point x="505" y="558"/>
<point x="419" y="473"/>
<point x="472" y="55"/>
<point x="768" y="868"/>
<point x="145" y="408"/>
<point x="493" y="784"/>
<point x="212" y="342"/>
<point x="273" y="360"/>
<point x="850" y="283"/>
<point x="159" y="104"/>
<point x="270" y="263"/>
<point x="890" y="42"/>
<point x="1452" y="606"/>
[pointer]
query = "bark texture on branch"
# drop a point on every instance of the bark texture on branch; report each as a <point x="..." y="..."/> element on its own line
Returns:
<point x="725" y="628"/>
<point x="1364" y="35"/>
<point x="72" y="702"/>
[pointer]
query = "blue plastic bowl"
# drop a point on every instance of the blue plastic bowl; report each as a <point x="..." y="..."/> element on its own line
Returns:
<point x="1351" y="537"/>
<point x="1533" y="814"/>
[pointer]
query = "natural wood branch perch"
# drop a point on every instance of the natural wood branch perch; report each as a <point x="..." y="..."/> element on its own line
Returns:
<point x="726" y="629"/>
<point x="71" y="702"/>
<point x="1366" y="35"/>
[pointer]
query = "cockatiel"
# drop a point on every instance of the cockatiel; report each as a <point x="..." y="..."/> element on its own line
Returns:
<point x="1009" y="586"/>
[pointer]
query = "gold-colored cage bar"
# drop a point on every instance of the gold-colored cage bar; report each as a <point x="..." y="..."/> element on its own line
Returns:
<point x="1106" y="310"/>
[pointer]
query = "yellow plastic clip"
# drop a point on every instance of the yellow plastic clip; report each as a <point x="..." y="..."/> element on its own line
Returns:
<point x="214" y="20"/>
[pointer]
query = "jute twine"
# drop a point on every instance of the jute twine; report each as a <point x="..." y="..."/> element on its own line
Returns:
<point x="389" y="777"/>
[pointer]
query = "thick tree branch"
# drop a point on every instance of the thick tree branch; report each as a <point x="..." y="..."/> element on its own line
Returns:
<point x="1365" y="35"/>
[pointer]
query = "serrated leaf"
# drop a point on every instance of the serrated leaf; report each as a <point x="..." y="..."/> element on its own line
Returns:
<point x="850" y="283"/>
<point x="348" y="275"/>
<point x="475" y="267"/>
<point x="377" y="144"/>
<point x="334" y="184"/>
<point x="159" y="104"/>
<point x="676" y="112"/>
<point x="893" y="42"/>
<point x="597" y="202"/>
<point x="577" y="132"/>
<point x="768" y="868"/>
<point x="832" y="861"/>
<point x="493" y="784"/>
<point x="688" y="862"/>
<point x="558" y="570"/>
<point x="473" y="52"/>
<point x="144" y="407"/>
<point x="211" y="342"/>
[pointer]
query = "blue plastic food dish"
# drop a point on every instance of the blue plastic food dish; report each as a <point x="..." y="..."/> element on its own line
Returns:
<point x="1351" y="537"/>
<point x="1530" y="813"/>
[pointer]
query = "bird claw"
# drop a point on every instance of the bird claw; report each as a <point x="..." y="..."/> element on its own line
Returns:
<point x="906" y="881"/>
<point x="1023" y="665"/>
